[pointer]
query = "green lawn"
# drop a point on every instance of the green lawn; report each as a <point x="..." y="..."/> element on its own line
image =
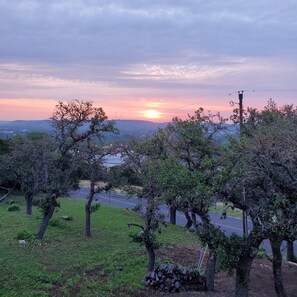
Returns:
<point x="221" y="207"/>
<point x="67" y="264"/>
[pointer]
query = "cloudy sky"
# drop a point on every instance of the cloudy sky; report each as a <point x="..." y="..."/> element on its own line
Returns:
<point x="131" y="56"/>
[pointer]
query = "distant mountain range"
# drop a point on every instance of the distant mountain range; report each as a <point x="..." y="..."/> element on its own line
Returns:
<point x="128" y="129"/>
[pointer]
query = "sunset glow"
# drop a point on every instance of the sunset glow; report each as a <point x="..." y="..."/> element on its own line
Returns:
<point x="92" y="51"/>
<point x="152" y="114"/>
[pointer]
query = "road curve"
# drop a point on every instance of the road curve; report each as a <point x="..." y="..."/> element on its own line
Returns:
<point x="229" y="225"/>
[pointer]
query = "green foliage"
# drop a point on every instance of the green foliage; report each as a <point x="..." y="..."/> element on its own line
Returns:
<point x="4" y="147"/>
<point x="38" y="200"/>
<point x="120" y="176"/>
<point x="57" y="223"/>
<point x="143" y="238"/>
<point x="14" y="208"/>
<point x="226" y="248"/>
<point x="264" y="165"/>
<point x="95" y="207"/>
<point x="48" y="202"/>
<point x="262" y="252"/>
<point x="25" y="235"/>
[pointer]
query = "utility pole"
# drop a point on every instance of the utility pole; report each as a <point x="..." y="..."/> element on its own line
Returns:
<point x="240" y="104"/>
<point x="240" y="99"/>
<point x="244" y="216"/>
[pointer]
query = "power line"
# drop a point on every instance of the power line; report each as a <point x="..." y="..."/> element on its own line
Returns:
<point x="264" y="90"/>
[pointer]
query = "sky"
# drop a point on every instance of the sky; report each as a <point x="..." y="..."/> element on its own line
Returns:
<point x="146" y="59"/>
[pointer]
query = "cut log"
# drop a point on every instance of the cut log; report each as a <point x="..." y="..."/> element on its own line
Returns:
<point x="172" y="278"/>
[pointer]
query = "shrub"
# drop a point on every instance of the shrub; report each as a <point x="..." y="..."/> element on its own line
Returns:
<point x="95" y="207"/>
<point x="261" y="252"/>
<point x="58" y="224"/>
<point x="25" y="235"/>
<point x="37" y="200"/>
<point x="13" y="208"/>
<point x="67" y="218"/>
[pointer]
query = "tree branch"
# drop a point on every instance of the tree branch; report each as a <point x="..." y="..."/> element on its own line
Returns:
<point x="6" y="195"/>
<point x="136" y="225"/>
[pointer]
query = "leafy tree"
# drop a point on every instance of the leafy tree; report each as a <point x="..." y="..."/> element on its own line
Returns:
<point x="264" y="164"/>
<point x="195" y="176"/>
<point x="74" y="122"/>
<point x="4" y="183"/>
<point x="27" y="164"/>
<point x="4" y="146"/>
<point x="93" y="157"/>
<point x="147" y="171"/>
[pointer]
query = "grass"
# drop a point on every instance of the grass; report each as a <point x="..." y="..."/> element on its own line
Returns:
<point x="221" y="207"/>
<point x="65" y="263"/>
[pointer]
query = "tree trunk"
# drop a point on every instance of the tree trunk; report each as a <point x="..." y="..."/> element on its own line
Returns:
<point x="88" y="209"/>
<point x="189" y="221"/>
<point x="151" y="258"/>
<point x="194" y="220"/>
<point x="47" y="216"/>
<point x="210" y="271"/>
<point x="243" y="273"/>
<point x="29" y="203"/>
<point x="277" y="266"/>
<point x="290" y="250"/>
<point x="172" y="212"/>
<point x="88" y="219"/>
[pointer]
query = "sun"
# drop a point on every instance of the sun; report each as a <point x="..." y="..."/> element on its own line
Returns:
<point x="152" y="114"/>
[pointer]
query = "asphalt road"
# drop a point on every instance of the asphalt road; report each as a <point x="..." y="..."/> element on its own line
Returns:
<point x="229" y="225"/>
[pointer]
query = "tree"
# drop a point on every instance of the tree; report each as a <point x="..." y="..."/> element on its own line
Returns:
<point x="93" y="157"/>
<point x="147" y="170"/>
<point x="74" y="122"/>
<point x="4" y="183"/>
<point x="183" y="165"/>
<point x="264" y="164"/>
<point x="27" y="162"/>
<point x="192" y="143"/>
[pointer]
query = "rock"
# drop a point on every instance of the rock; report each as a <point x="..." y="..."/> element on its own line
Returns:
<point x="22" y="242"/>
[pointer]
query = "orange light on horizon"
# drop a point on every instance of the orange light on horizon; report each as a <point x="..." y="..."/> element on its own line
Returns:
<point x="26" y="109"/>
<point x="152" y="114"/>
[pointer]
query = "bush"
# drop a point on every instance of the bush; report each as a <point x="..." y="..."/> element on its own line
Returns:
<point x="14" y="208"/>
<point x="67" y="218"/>
<point x="37" y="200"/>
<point x="58" y="224"/>
<point x="95" y="207"/>
<point x="261" y="252"/>
<point x="25" y="235"/>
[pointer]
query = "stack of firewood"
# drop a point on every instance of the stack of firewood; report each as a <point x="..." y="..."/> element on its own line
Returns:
<point x="171" y="278"/>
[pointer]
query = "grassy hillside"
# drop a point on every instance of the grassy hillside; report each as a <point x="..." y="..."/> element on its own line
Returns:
<point x="67" y="264"/>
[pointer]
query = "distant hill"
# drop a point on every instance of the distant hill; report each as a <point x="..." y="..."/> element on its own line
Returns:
<point x="128" y="129"/>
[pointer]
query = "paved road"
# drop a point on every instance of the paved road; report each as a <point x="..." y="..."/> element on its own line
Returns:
<point x="228" y="225"/>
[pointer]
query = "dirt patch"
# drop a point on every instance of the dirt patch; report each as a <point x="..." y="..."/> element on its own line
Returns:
<point x="176" y="255"/>
<point x="261" y="280"/>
